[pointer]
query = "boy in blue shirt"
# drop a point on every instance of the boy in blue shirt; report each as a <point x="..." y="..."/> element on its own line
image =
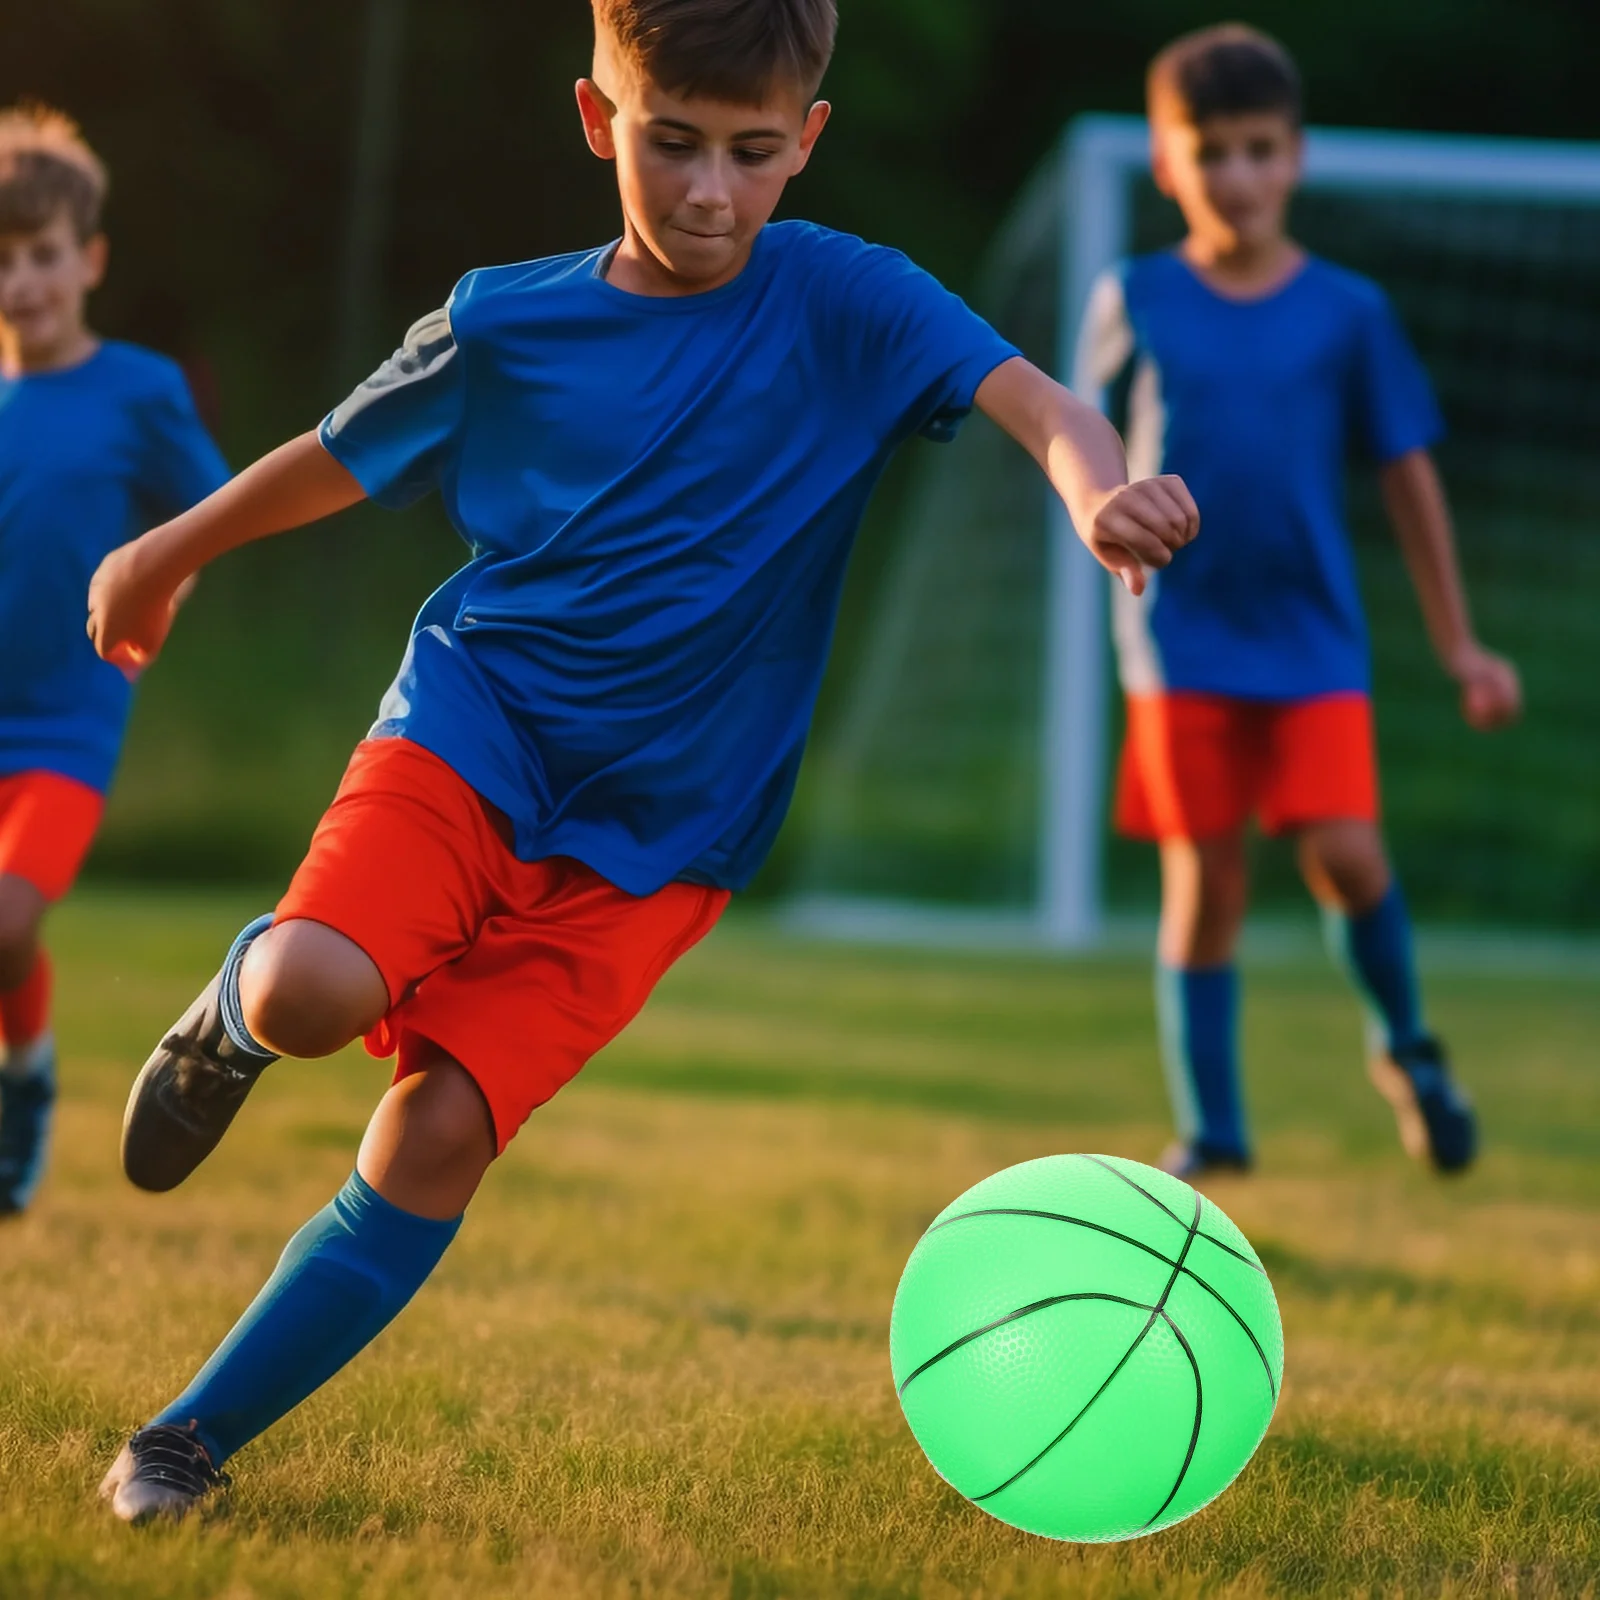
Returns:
<point x="98" y="440"/>
<point x="1252" y="369"/>
<point x="658" y="453"/>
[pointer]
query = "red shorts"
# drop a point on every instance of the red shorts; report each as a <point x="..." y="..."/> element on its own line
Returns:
<point x="520" y="970"/>
<point x="47" y="824"/>
<point x="1196" y="766"/>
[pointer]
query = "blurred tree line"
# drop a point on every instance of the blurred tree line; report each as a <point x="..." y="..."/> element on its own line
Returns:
<point x="231" y="129"/>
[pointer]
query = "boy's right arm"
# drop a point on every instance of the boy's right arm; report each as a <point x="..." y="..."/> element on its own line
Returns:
<point x="1131" y="529"/>
<point x="134" y="594"/>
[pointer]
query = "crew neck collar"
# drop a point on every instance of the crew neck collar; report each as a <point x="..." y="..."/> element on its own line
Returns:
<point x="681" y="304"/>
<point x="1266" y="297"/>
<point x="76" y="367"/>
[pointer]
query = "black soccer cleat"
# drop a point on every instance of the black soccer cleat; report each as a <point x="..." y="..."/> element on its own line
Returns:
<point x="1436" y="1119"/>
<point x="190" y="1090"/>
<point x="161" y="1472"/>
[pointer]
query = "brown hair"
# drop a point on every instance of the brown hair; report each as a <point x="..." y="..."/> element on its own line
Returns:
<point x="730" y="50"/>
<point x="46" y="167"/>
<point x="1224" y="71"/>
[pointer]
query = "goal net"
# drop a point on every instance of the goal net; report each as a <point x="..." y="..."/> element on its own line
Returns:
<point x="961" y="795"/>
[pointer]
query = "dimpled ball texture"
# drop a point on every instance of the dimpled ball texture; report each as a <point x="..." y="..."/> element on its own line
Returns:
<point x="1086" y="1348"/>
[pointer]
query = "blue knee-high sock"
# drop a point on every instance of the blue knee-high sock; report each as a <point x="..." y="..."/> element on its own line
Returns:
<point x="1376" y="949"/>
<point x="1198" y="1009"/>
<point x="341" y="1280"/>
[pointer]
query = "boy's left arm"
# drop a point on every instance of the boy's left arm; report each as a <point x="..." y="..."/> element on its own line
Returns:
<point x="1491" y="691"/>
<point x="1130" y="529"/>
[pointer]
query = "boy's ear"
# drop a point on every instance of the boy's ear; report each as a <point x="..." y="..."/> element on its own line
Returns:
<point x="96" y="253"/>
<point x="597" y="112"/>
<point x="816" y="121"/>
<point x="1298" y="138"/>
<point x="1160" y="171"/>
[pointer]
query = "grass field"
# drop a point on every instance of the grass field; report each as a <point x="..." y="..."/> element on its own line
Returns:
<point x="655" y="1364"/>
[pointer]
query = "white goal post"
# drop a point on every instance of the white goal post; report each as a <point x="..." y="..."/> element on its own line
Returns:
<point x="1102" y="161"/>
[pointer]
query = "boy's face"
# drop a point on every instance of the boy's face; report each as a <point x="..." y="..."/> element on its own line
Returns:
<point x="699" y="178"/>
<point x="1232" y="176"/>
<point x="45" y="278"/>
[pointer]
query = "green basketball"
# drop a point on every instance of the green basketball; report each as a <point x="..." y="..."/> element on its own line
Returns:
<point x="1086" y="1347"/>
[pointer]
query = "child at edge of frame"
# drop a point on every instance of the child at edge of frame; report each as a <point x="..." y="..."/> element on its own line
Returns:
<point x="659" y="452"/>
<point x="1250" y="367"/>
<point x="99" y="439"/>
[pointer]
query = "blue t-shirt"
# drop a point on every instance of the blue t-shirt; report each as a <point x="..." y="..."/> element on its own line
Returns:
<point x="1258" y="405"/>
<point x="660" y="496"/>
<point x="90" y="457"/>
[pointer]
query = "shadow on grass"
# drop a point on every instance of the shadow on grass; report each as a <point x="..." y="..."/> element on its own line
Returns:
<point x="1477" y="1304"/>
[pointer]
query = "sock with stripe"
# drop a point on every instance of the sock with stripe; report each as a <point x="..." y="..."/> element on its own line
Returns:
<point x="229" y="1002"/>
<point x="1198" y="1008"/>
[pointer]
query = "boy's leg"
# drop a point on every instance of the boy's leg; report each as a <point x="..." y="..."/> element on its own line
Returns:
<point x="391" y="888"/>
<point x="295" y="988"/>
<point x="341" y="1280"/>
<point x="1205" y="888"/>
<point x="28" y="1070"/>
<point x="301" y="985"/>
<point x="523" y="970"/>
<point x="1369" y="934"/>
<point x="1190" y="773"/>
<point x="47" y="824"/>
<point x="1364" y="915"/>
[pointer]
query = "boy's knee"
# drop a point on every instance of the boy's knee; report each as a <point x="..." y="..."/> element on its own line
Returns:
<point x="21" y="907"/>
<point x="307" y="991"/>
<point x="430" y="1141"/>
<point x="458" y="1123"/>
<point x="1345" y="863"/>
<point x="1225" y="883"/>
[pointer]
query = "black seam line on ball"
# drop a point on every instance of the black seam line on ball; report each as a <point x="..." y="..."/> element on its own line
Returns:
<point x="1127" y="1356"/>
<point x="1238" y="1255"/>
<point x="1117" y="1172"/>
<point x="1138" y="1244"/>
<point x="1194" y="1436"/>
<point x="1016" y="1316"/>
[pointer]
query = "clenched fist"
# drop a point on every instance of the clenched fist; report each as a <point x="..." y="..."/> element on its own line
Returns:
<point x="1491" y="690"/>
<point x="1137" y="529"/>
<point x="131" y="606"/>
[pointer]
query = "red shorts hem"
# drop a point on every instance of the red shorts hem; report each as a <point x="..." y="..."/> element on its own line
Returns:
<point x="1197" y="766"/>
<point x="519" y="970"/>
<point x="47" y="824"/>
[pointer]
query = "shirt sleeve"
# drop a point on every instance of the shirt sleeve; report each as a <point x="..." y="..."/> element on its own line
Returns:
<point x="182" y="464"/>
<point x="399" y="434"/>
<point x="1393" y="401"/>
<point x="919" y="347"/>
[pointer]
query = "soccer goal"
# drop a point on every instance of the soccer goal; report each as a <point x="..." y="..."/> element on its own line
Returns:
<point x="961" y="796"/>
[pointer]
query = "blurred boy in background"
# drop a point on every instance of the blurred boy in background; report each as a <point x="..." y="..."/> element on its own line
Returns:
<point x="98" y="441"/>
<point x="1254" y="369"/>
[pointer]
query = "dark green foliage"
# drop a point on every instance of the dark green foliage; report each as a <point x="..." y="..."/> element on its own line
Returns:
<point x="229" y="129"/>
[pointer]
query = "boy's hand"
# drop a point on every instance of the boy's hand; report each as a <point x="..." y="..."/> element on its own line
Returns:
<point x="131" y="607"/>
<point x="1137" y="529"/>
<point x="1130" y="529"/>
<point x="1491" y="689"/>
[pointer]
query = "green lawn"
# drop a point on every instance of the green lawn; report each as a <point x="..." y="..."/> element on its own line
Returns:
<point x="655" y="1364"/>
